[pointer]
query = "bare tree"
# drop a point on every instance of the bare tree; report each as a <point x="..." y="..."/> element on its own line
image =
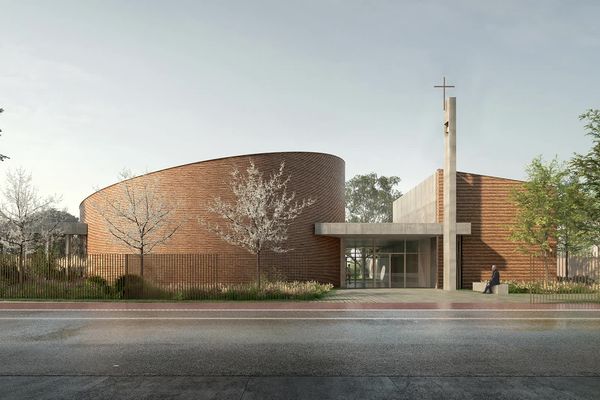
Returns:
<point x="22" y="211"/>
<point x="258" y="218"/>
<point x="2" y="156"/>
<point x="140" y="216"/>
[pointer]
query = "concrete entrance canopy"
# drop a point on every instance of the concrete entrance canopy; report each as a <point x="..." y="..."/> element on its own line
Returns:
<point x="399" y="254"/>
<point x="408" y="231"/>
<point x="73" y="228"/>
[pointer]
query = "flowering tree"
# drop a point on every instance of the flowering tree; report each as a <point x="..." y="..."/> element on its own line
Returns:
<point x="259" y="217"/>
<point x="141" y="216"/>
<point x="22" y="211"/>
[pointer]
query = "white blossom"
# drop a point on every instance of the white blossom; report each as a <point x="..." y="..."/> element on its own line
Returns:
<point x="22" y="212"/>
<point x="262" y="210"/>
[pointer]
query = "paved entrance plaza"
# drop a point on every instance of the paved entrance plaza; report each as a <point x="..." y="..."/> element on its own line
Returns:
<point x="419" y="296"/>
<point x="340" y="299"/>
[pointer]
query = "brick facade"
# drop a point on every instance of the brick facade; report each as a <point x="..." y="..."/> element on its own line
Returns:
<point x="192" y="186"/>
<point x="484" y="201"/>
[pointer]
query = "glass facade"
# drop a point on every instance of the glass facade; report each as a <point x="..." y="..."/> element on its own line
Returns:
<point x="397" y="264"/>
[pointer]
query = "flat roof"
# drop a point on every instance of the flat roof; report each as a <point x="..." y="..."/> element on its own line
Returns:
<point x="398" y="231"/>
<point x="73" y="228"/>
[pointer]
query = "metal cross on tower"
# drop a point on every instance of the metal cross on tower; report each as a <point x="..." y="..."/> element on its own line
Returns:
<point x="444" y="86"/>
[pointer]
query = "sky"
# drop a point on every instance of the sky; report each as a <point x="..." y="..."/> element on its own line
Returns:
<point x="92" y="87"/>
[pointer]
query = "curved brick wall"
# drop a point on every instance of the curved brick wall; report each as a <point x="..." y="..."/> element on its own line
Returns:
<point x="316" y="175"/>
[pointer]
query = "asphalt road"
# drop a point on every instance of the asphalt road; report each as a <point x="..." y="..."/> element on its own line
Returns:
<point x="300" y="354"/>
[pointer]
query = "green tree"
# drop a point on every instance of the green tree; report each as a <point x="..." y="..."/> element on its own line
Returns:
<point x="369" y="198"/>
<point x="587" y="168"/>
<point x="551" y="210"/>
<point x="573" y="216"/>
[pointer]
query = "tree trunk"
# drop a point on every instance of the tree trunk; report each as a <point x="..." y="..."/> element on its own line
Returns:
<point x="258" y="268"/>
<point x="567" y="263"/>
<point x="21" y="264"/>
<point x="545" y="267"/>
<point x="142" y="270"/>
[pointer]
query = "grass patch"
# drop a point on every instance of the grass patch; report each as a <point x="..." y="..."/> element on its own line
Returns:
<point x="51" y="289"/>
<point x="134" y="287"/>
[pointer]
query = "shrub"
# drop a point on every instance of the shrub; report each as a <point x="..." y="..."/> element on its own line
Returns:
<point x="553" y="287"/>
<point x="98" y="282"/>
<point x="518" y="287"/>
<point x="53" y="289"/>
<point x="581" y="279"/>
<point x="40" y="266"/>
<point x="129" y="286"/>
<point x="134" y="287"/>
<point x="9" y="272"/>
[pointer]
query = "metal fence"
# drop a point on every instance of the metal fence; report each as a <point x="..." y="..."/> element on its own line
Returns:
<point x="576" y="279"/>
<point x="163" y="276"/>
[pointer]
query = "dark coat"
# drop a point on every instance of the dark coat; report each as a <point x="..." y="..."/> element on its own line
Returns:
<point x="495" y="278"/>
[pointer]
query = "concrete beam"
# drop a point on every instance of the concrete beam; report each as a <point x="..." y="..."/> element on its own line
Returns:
<point x="347" y="229"/>
<point x="73" y="228"/>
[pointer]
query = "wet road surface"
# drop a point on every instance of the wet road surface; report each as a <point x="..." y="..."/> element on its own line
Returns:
<point x="287" y="353"/>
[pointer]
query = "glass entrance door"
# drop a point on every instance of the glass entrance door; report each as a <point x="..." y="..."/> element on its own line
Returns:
<point x="382" y="271"/>
<point x="402" y="264"/>
<point x="404" y="270"/>
<point x="398" y="277"/>
<point x="411" y="271"/>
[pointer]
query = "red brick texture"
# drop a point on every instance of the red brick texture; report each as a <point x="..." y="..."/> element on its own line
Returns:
<point x="484" y="201"/>
<point x="192" y="186"/>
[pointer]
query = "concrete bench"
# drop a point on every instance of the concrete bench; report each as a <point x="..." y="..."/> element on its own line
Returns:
<point x="501" y="289"/>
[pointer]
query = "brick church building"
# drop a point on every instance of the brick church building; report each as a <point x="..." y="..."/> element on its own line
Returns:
<point x="446" y="232"/>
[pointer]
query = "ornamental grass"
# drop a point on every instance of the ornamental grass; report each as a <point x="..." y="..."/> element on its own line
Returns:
<point x="553" y="287"/>
<point x="134" y="287"/>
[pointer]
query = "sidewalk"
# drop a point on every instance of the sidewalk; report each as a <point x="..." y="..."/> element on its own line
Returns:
<point x="420" y="296"/>
<point x="341" y="299"/>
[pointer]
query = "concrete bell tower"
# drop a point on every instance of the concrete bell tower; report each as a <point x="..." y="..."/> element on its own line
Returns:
<point x="449" y="230"/>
